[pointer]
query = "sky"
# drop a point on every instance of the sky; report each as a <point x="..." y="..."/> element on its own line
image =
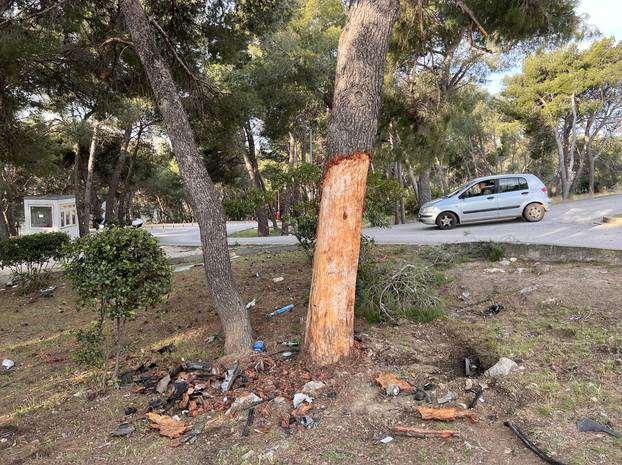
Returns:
<point x="603" y="14"/>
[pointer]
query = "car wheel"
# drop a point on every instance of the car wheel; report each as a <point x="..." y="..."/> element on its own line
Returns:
<point x="446" y="220"/>
<point x="533" y="212"/>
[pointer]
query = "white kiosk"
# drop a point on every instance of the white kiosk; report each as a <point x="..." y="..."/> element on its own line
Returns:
<point x="46" y="213"/>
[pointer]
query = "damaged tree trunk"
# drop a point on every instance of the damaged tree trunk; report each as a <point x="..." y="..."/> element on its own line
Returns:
<point x="88" y="189"/>
<point x="352" y="127"/>
<point x="200" y="188"/>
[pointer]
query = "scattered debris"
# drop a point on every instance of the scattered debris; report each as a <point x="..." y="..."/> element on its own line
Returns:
<point x="472" y="366"/>
<point x="167" y="426"/>
<point x="530" y="445"/>
<point x="424" y="433"/>
<point x="502" y="368"/>
<point x="505" y="262"/>
<point x="287" y="308"/>
<point x="243" y="403"/>
<point x="211" y="339"/>
<point x="444" y="414"/>
<point x="8" y="364"/>
<point x="299" y="398"/>
<point x="513" y="259"/>
<point x="420" y="395"/>
<point x="392" y="385"/>
<point x="198" y="366"/>
<point x="48" y="292"/>
<point x="252" y="303"/>
<point x="478" y="394"/>
<point x="288" y="354"/>
<point x="163" y="384"/>
<point x="493" y="270"/>
<point x="230" y="376"/>
<point x="309" y="422"/>
<point x="249" y="421"/>
<point x="130" y="410"/>
<point x="182" y="268"/>
<point x="386" y="439"/>
<point x="492" y="310"/>
<point x="528" y="290"/>
<point x="278" y="280"/>
<point x="259" y="346"/>
<point x="312" y="387"/>
<point x="587" y="424"/>
<point x="190" y="436"/>
<point x="124" y="430"/>
<point x="449" y="397"/>
<point x="292" y="343"/>
<point x="429" y="387"/>
<point x="465" y="297"/>
<point x="167" y="349"/>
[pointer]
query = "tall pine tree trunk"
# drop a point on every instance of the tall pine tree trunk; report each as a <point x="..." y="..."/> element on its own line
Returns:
<point x="200" y="188"/>
<point x="252" y="167"/>
<point x="78" y="188"/>
<point x="352" y="127"/>
<point x="4" y="228"/>
<point x="88" y="188"/>
<point x="111" y="198"/>
<point x="424" y="189"/>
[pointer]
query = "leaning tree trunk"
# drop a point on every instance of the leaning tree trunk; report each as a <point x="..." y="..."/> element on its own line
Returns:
<point x="200" y="188"/>
<point x="4" y="228"/>
<point x="78" y="187"/>
<point x="252" y="167"/>
<point x="111" y="198"/>
<point x="352" y="127"/>
<point x="88" y="194"/>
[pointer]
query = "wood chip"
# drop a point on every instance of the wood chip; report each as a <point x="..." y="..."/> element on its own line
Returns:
<point x="166" y="425"/>
<point x="445" y="414"/>
<point x="424" y="433"/>
<point x="385" y="380"/>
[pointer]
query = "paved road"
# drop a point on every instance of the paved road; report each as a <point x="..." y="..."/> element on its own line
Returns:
<point x="575" y="223"/>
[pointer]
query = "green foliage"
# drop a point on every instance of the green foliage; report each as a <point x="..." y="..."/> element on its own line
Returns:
<point x="380" y="196"/>
<point x="305" y="229"/>
<point x="29" y="257"/>
<point x="238" y="209"/>
<point x="119" y="272"/>
<point x="494" y="252"/>
<point x="90" y="346"/>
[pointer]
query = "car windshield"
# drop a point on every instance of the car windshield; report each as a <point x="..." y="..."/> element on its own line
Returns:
<point x="462" y="187"/>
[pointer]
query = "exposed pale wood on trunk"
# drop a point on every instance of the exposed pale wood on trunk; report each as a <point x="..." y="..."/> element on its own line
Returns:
<point x="201" y="191"/>
<point x="352" y="127"/>
<point x="88" y="188"/>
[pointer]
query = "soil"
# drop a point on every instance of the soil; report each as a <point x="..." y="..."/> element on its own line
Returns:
<point x="560" y="323"/>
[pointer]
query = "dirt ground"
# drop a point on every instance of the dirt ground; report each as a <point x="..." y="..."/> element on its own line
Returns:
<point x="560" y="323"/>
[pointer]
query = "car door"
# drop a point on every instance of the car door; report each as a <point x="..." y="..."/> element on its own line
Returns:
<point x="512" y="192"/>
<point x="479" y="201"/>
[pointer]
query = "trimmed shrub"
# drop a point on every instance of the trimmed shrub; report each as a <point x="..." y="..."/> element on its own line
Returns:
<point x="117" y="273"/>
<point x="29" y="257"/>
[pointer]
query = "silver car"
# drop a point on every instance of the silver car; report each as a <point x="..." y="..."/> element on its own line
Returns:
<point x="500" y="197"/>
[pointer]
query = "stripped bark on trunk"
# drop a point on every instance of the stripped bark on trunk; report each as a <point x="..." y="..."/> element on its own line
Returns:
<point x="88" y="188"/>
<point x="352" y="127"/>
<point x="199" y="187"/>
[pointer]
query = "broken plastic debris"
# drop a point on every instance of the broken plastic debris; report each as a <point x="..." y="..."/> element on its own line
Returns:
<point x="8" y="364"/>
<point x="309" y="422"/>
<point x="230" y="376"/>
<point x="450" y="396"/>
<point x="530" y="445"/>
<point x="124" y="430"/>
<point x="278" y="280"/>
<point x="259" y="346"/>
<point x="299" y="398"/>
<point x="493" y="310"/>
<point x="587" y="424"/>
<point x="386" y="439"/>
<point x="252" y="303"/>
<point x="48" y="292"/>
<point x="167" y="348"/>
<point x="282" y="310"/>
<point x="244" y="402"/>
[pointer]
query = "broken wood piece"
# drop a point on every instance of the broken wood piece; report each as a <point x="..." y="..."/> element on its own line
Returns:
<point x="166" y="425"/>
<point x="445" y="414"/>
<point x="385" y="380"/>
<point x="424" y="433"/>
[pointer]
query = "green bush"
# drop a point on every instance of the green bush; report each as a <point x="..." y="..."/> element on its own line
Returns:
<point x="90" y="341"/>
<point x="118" y="272"/>
<point x="238" y="209"/>
<point x="29" y="257"/>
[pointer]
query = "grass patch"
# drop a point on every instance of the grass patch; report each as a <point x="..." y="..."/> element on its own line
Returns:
<point x="252" y="232"/>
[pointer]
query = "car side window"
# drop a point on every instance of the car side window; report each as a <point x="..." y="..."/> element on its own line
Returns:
<point x="487" y="187"/>
<point x="512" y="184"/>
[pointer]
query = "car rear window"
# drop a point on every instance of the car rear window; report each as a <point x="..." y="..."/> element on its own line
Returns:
<point x="513" y="184"/>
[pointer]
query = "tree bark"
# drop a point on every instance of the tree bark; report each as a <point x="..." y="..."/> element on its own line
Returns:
<point x="200" y="188"/>
<point x="288" y="198"/>
<point x="4" y="228"/>
<point x="125" y="200"/>
<point x="424" y="188"/>
<point x="111" y="198"/>
<point x="252" y="167"/>
<point x="88" y="188"/>
<point x="78" y="187"/>
<point x="352" y="127"/>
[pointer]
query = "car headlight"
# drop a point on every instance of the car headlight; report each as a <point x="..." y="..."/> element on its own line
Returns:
<point x="428" y="210"/>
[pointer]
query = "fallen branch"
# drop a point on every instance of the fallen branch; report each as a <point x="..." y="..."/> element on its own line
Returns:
<point x="424" y="433"/>
<point x="445" y="414"/>
<point x="530" y="445"/>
